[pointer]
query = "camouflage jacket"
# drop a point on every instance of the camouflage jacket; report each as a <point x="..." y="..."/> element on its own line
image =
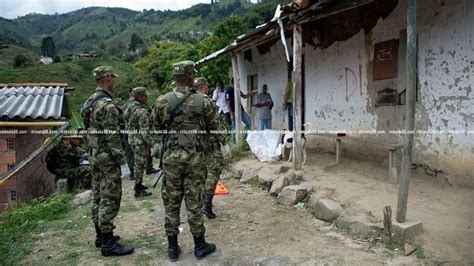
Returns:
<point x="196" y="113"/>
<point x="103" y="137"/>
<point x="137" y="121"/>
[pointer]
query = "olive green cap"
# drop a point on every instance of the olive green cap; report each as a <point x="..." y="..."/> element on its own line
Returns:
<point x="140" y="91"/>
<point x="199" y="82"/>
<point x="102" y="72"/>
<point x="183" y="68"/>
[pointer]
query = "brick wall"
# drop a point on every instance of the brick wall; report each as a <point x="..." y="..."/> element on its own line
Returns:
<point x="35" y="180"/>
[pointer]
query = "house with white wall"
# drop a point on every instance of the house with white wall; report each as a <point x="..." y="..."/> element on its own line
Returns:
<point x="353" y="78"/>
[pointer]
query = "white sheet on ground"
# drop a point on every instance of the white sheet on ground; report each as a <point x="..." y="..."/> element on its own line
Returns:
<point x="266" y="144"/>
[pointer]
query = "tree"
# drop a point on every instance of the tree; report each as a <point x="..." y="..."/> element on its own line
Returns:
<point x="19" y="61"/>
<point x="47" y="47"/>
<point x="135" y="41"/>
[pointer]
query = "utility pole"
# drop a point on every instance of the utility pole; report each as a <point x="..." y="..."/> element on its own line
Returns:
<point x="411" y="71"/>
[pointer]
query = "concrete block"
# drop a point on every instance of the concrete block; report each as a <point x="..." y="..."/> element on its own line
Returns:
<point x="290" y="195"/>
<point x="327" y="210"/>
<point x="406" y="230"/>
<point x="248" y="174"/>
<point x="62" y="186"/>
<point x="278" y="185"/>
<point x="82" y="198"/>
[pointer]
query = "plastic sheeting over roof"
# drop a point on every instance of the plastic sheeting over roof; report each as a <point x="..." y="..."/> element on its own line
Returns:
<point x="36" y="101"/>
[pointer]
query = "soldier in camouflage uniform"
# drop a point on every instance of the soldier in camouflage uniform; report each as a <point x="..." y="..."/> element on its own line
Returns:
<point x="183" y="163"/>
<point x="63" y="161"/>
<point x="215" y="159"/>
<point x="100" y="113"/>
<point x="137" y="120"/>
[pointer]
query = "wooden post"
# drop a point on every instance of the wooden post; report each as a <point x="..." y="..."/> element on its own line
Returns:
<point x="387" y="224"/>
<point x="297" y="96"/>
<point x="412" y="51"/>
<point x="338" y="150"/>
<point x="392" y="157"/>
<point x="237" y="113"/>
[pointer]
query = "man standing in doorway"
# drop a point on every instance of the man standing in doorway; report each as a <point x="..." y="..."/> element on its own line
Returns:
<point x="264" y="103"/>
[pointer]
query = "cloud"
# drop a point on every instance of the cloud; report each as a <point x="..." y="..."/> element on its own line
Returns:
<point x="15" y="8"/>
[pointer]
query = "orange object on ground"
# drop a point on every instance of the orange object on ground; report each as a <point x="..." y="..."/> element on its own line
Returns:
<point x="220" y="189"/>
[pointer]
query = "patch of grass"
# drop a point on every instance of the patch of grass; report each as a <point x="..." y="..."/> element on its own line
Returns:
<point x="255" y="183"/>
<point x="71" y="257"/>
<point x="420" y="253"/>
<point x="129" y="208"/>
<point x="395" y="244"/>
<point x="20" y="227"/>
<point x="149" y="205"/>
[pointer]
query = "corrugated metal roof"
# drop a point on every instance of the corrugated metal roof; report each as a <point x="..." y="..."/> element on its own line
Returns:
<point x="37" y="101"/>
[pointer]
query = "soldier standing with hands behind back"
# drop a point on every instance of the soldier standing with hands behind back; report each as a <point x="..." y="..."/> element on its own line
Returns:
<point x="100" y="113"/>
<point x="137" y="119"/>
<point x="184" y="111"/>
<point x="215" y="159"/>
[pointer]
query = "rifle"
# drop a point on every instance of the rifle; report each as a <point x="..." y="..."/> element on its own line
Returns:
<point x="165" y="137"/>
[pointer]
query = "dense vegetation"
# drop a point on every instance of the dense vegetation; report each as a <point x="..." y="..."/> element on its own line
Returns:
<point x="162" y="35"/>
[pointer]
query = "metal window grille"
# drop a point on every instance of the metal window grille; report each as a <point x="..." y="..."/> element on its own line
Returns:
<point x="10" y="166"/>
<point x="387" y="97"/>
<point x="12" y="195"/>
<point x="10" y="144"/>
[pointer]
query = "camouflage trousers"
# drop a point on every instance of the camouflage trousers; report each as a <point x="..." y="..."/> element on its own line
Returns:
<point x="80" y="176"/>
<point x="106" y="195"/>
<point x="184" y="173"/>
<point x="214" y="169"/>
<point x="129" y="157"/>
<point x="141" y="153"/>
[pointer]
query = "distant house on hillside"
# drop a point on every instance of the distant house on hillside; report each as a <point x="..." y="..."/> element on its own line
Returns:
<point x="27" y="112"/>
<point x="78" y="56"/>
<point x="46" y="60"/>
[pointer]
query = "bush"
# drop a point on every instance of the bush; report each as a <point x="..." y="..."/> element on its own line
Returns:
<point x="57" y="59"/>
<point x="20" y="61"/>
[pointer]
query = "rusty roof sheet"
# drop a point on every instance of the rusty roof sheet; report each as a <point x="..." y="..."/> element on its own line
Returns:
<point x="36" y="102"/>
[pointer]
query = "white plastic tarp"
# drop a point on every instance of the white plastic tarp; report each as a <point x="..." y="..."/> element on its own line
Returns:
<point x="266" y="144"/>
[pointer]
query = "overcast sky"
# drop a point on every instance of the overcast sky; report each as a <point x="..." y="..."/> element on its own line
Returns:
<point x="15" y="8"/>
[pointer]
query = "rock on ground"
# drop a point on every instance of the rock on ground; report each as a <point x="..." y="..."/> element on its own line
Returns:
<point x="278" y="185"/>
<point x="327" y="210"/>
<point x="82" y="198"/>
<point x="358" y="226"/>
<point x="248" y="175"/>
<point x="266" y="175"/>
<point x="290" y="195"/>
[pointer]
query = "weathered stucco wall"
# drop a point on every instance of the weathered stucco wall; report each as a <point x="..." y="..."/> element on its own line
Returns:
<point x="446" y="79"/>
<point x="340" y="93"/>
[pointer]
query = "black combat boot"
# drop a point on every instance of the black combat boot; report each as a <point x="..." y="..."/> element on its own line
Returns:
<point x="207" y="207"/>
<point x="151" y="170"/>
<point x="141" y="192"/>
<point x="110" y="247"/>
<point x="173" y="248"/>
<point x="201" y="248"/>
<point x="98" y="236"/>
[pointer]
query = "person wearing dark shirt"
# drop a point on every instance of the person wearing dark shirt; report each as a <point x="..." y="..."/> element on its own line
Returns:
<point x="230" y="101"/>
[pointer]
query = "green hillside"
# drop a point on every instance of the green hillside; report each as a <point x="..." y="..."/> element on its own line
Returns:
<point x="85" y="29"/>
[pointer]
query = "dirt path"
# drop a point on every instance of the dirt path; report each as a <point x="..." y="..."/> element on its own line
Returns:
<point x="250" y="229"/>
